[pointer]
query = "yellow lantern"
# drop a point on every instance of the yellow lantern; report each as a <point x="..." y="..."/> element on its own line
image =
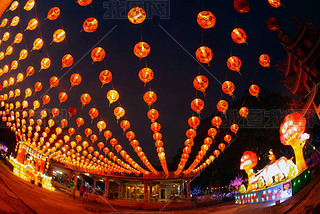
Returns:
<point x="29" y="5"/>
<point x="119" y="112"/>
<point x="43" y="114"/>
<point x="11" y="81"/>
<point x="36" y="104"/>
<point x="14" y="65"/>
<point x="14" y="6"/>
<point x="9" y="50"/>
<point x="33" y="24"/>
<point x="24" y="104"/>
<point x="58" y="36"/>
<point x="4" y="22"/>
<point x="15" y="21"/>
<point x="23" y="54"/>
<point x="1" y="55"/>
<point x="17" y="92"/>
<point x="28" y="92"/>
<point x="45" y="63"/>
<point x="37" y="44"/>
<point x="6" y="36"/>
<point x="112" y="96"/>
<point x="101" y="125"/>
<point x="18" y="38"/>
<point x="5" y="69"/>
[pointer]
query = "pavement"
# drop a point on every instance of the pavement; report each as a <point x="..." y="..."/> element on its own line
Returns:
<point x="19" y="196"/>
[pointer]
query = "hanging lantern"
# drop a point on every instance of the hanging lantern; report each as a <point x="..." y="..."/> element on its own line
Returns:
<point x="100" y="145"/>
<point x="101" y="125"/>
<point x="85" y="99"/>
<point x="207" y="141"/>
<point x="239" y="36"/>
<point x="5" y="69"/>
<point x="201" y="83"/>
<point x="15" y="21"/>
<point x="227" y="138"/>
<point x="197" y="105"/>
<point x="55" y="112"/>
<point x="78" y="138"/>
<point x="11" y="81"/>
<point x="5" y="36"/>
<point x="63" y="97"/>
<point x="242" y="6"/>
<point x="17" y="93"/>
<point x="125" y="125"/>
<point x="88" y="132"/>
<point x="37" y="86"/>
<point x="33" y="24"/>
<point x="264" y="60"/>
<point x="113" y="142"/>
<point x="72" y="111"/>
<point x="90" y="25"/>
<point x="272" y="24"/>
<point x="191" y="133"/>
<point x="36" y="104"/>
<point x="274" y="3"/>
<point x="97" y="54"/>
<point x="212" y="132"/>
<point x="58" y="36"/>
<point x="4" y="22"/>
<point x="216" y="121"/>
<point x="136" y="15"/>
<point x="112" y="96"/>
<point x="94" y="113"/>
<point x="234" y="64"/>
<point x="194" y="122"/>
<point x="130" y="135"/>
<point x="1" y="57"/>
<point x="221" y="146"/>
<point x="53" y="13"/>
<point x="228" y="88"/>
<point x="14" y="6"/>
<point x="54" y="82"/>
<point x="150" y="97"/>
<point x="79" y="121"/>
<point x="204" y="54"/>
<point x="45" y="63"/>
<point x="18" y="38"/>
<point x="93" y="138"/>
<point x="37" y="44"/>
<point x="105" y="77"/>
<point x="216" y="153"/>
<point x="75" y="79"/>
<point x="153" y="114"/>
<point x="254" y="91"/>
<point x="244" y="111"/>
<point x="234" y="128"/>
<point x="67" y="61"/>
<point x="30" y="71"/>
<point x="119" y="112"/>
<point x="9" y="51"/>
<point x="222" y="106"/>
<point x="118" y="148"/>
<point x="64" y="123"/>
<point x="29" y="5"/>
<point x="155" y="127"/>
<point x="46" y="99"/>
<point x="206" y="19"/>
<point x="84" y="2"/>
<point x="23" y="54"/>
<point x="134" y="144"/>
<point x="107" y="134"/>
<point x="146" y="75"/>
<point x="28" y="93"/>
<point x="141" y="49"/>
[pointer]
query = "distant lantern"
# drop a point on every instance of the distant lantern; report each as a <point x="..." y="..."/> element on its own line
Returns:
<point x="264" y="60"/>
<point x="79" y="121"/>
<point x="14" y="6"/>
<point x="201" y="83"/>
<point x="67" y="61"/>
<point x="228" y="88"/>
<point x="9" y="51"/>
<point x="234" y="64"/>
<point x="242" y="6"/>
<point x="72" y="111"/>
<point x="136" y="15"/>
<point x="18" y="38"/>
<point x="197" y="105"/>
<point x="94" y="113"/>
<point x="216" y="121"/>
<point x="90" y="25"/>
<point x="29" y="5"/>
<point x="112" y="96"/>
<point x="244" y="111"/>
<point x="221" y="146"/>
<point x="272" y="24"/>
<point x="75" y="79"/>
<point x="191" y="133"/>
<point x="119" y="112"/>
<point x="204" y="54"/>
<point x="4" y="22"/>
<point x="234" y="128"/>
<point x="85" y="99"/>
<point x="105" y="77"/>
<point x="125" y="125"/>
<point x="97" y="54"/>
<point x="212" y="132"/>
<point x="153" y="115"/>
<point x="54" y="82"/>
<point x="45" y="63"/>
<point x="101" y="125"/>
<point x="37" y="86"/>
<point x="84" y="2"/>
<point x="113" y="142"/>
<point x="64" y="123"/>
<point x="33" y="24"/>
<point x="222" y="106"/>
<point x="15" y="21"/>
<point x="254" y="90"/>
<point x="239" y="36"/>
<point x="146" y="75"/>
<point x="141" y="49"/>
<point x="275" y="3"/>
<point x="63" y="97"/>
<point x="155" y="127"/>
<point x="37" y="44"/>
<point x="107" y="134"/>
<point x="6" y="36"/>
<point x="23" y="54"/>
<point x="58" y="36"/>
<point x="55" y="112"/>
<point x="150" y="97"/>
<point x="46" y="99"/>
<point x="130" y="135"/>
<point x="206" y="19"/>
<point x="194" y="122"/>
<point x="227" y="138"/>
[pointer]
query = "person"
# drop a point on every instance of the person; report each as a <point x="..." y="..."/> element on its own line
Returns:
<point x="81" y="191"/>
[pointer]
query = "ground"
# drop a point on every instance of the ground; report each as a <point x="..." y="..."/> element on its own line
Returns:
<point x="19" y="196"/>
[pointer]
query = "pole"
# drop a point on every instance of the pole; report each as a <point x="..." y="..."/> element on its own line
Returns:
<point x="106" y="188"/>
<point x="145" y="198"/>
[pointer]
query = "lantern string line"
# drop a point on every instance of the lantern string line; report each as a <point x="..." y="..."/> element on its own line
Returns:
<point x="150" y="167"/>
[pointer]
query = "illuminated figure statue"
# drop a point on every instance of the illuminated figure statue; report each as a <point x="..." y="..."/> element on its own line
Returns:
<point x="271" y="157"/>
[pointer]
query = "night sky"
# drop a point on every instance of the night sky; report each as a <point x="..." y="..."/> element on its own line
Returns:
<point x="174" y="68"/>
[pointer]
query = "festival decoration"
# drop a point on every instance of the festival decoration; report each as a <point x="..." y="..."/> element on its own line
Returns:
<point x="274" y="3"/>
<point x="254" y="91"/>
<point x="228" y="88"/>
<point x="204" y="54"/>
<point x="242" y="6"/>
<point x="146" y="75"/>
<point x="264" y="60"/>
<point x="206" y="19"/>
<point x="201" y="83"/>
<point x="58" y="36"/>
<point x="136" y="15"/>
<point x="84" y="2"/>
<point x="272" y="24"/>
<point x="239" y="36"/>
<point x="234" y="64"/>
<point x="141" y="49"/>
<point x="90" y="25"/>
<point x="97" y="54"/>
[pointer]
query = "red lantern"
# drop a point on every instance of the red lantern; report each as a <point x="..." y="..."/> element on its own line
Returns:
<point x="242" y="6"/>
<point x="221" y="146"/>
<point x="197" y="105"/>
<point x="153" y="114"/>
<point x="79" y="121"/>
<point x="204" y="54"/>
<point x="222" y="106"/>
<point x="72" y="111"/>
<point x="212" y="132"/>
<point x="227" y="138"/>
<point x="105" y="77"/>
<point x="272" y="24"/>
<point x="194" y="122"/>
<point x="254" y="91"/>
<point x="216" y="122"/>
<point x="90" y="25"/>
<point x="98" y="54"/>
<point x="146" y="75"/>
<point x="206" y="19"/>
<point x="113" y="142"/>
<point x="67" y="61"/>
<point x="130" y="135"/>
<point x="201" y="83"/>
<point x="63" y="97"/>
<point x="155" y="127"/>
<point x="244" y="111"/>
<point x="234" y="64"/>
<point x="191" y="133"/>
<point x="274" y="3"/>
<point x="150" y="97"/>
<point x="239" y="36"/>
<point x="141" y="50"/>
<point x="136" y="15"/>
<point x="54" y="82"/>
<point x="228" y="88"/>
<point x="125" y="125"/>
<point x="264" y="60"/>
<point x="234" y="128"/>
<point x="94" y="113"/>
<point x="85" y="99"/>
<point x="75" y="79"/>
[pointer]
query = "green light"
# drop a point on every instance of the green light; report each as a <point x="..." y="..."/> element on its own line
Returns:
<point x="299" y="181"/>
<point x="294" y="183"/>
